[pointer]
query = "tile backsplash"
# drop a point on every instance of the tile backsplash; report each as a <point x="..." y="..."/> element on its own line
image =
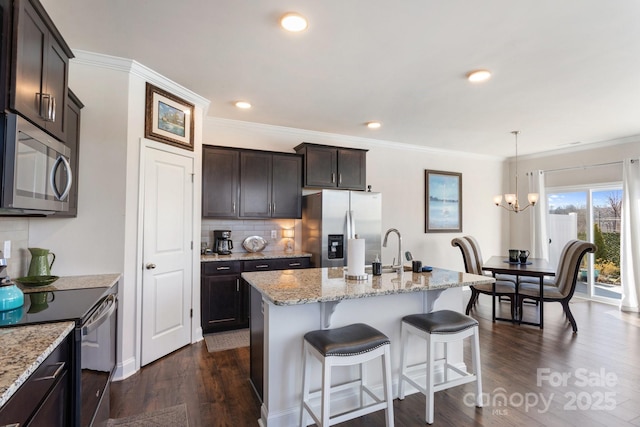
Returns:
<point x="17" y="231"/>
<point x="241" y="229"/>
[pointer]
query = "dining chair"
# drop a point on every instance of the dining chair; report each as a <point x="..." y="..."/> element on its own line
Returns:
<point x="479" y="261"/>
<point x="565" y="280"/>
<point x="548" y="280"/>
<point x="472" y="265"/>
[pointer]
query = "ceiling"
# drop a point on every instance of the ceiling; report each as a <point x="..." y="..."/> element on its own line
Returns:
<point x="564" y="72"/>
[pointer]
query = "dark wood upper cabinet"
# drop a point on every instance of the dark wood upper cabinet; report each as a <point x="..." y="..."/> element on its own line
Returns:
<point x="40" y="69"/>
<point x="73" y="141"/>
<point x="264" y="184"/>
<point x="255" y="184"/>
<point x="326" y="166"/>
<point x="220" y="182"/>
<point x="287" y="186"/>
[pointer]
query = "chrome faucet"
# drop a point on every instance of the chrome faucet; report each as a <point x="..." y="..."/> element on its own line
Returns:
<point x="398" y="266"/>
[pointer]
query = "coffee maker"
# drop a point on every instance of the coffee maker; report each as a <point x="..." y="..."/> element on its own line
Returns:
<point x="222" y="243"/>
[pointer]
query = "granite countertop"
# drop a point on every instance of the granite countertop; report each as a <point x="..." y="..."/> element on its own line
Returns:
<point x="76" y="282"/>
<point x="291" y="287"/>
<point x="24" y="348"/>
<point x="248" y="256"/>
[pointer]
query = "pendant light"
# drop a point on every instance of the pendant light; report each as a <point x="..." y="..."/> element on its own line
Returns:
<point x="511" y="199"/>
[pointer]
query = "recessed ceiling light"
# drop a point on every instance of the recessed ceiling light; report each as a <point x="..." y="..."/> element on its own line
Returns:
<point x="243" y="104"/>
<point x="374" y="125"/>
<point x="293" y="22"/>
<point x="479" y="76"/>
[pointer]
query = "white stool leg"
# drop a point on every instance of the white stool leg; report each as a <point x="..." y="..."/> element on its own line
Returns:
<point x="430" y="380"/>
<point x="363" y="382"/>
<point x="475" y="355"/>
<point x="446" y="361"/>
<point x="305" y="385"/>
<point x="404" y="339"/>
<point x="326" y="394"/>
<point x="386" y="383"/>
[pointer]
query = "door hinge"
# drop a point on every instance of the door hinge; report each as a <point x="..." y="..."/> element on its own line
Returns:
<point x="191" y="313"/>
<point x="192" y="245"/>
<point x="193" y="177"/>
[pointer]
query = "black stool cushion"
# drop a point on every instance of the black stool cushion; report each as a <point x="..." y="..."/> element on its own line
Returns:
<point x="441" y="321"/>
<point x="346" y="341"/>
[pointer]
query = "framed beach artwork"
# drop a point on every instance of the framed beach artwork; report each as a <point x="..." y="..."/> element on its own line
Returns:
<point x="168" y="119"/>
<point x="443" y="202"/>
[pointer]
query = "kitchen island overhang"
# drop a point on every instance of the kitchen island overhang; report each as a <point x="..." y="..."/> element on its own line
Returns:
<point x="288" y="303"/>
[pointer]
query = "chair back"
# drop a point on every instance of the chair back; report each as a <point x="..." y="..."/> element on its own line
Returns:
<point x="468" y="255"/>
<point x="569" y="265"/>
<point x="476" y="250"/>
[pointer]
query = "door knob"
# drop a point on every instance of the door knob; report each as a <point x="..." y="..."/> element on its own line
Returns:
<point x="150" y="266"/>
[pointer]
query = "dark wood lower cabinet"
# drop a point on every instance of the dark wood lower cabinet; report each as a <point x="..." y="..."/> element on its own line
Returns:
<point x="224" y="296"/>
<point x="45" y="398"/>
<point x="256" y="319"/>
<point x="54" y="411"/>
<point x="222" y="303"/>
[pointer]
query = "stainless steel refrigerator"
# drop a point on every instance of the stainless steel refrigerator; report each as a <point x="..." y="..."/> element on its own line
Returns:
<point x="331" y="217"/>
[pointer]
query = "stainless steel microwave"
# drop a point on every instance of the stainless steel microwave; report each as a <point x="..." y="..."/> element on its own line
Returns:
<point x="36" y="174"/>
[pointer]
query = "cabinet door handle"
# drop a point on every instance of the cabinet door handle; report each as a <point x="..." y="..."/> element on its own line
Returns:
<point x="55" y="374"/>
<point x="45" y="113"/>
<point x="339" y="178"/>
<point x="223" y="268"/>
<point x="294" y="264"/>
<point x="262" y="266"/>
<point x="274" y="207"/>
<point x="237" y="285"/>
<point x="333" y="177"/>
<point x="234" y="207"/>
<point x="52" y="115"/>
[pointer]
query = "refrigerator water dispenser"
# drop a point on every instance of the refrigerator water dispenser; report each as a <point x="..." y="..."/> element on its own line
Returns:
<point x="336" y="246"/>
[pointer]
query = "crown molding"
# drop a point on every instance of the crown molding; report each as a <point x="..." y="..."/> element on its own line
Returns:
<point x="582" y="147"/>
<point x="335" y="139"/>
<point x="135" y="68"/>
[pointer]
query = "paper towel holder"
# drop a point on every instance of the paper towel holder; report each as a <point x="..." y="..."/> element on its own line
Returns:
<point x="357" y="277"/>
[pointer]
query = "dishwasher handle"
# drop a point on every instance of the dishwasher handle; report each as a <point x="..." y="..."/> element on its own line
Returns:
<point x="107" y="308"/>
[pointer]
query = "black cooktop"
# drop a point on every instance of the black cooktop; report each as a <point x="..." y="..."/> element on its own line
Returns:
<point x="52" y="306"/>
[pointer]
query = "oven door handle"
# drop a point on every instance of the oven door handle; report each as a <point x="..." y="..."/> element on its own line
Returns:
<point x="105" y="313"/>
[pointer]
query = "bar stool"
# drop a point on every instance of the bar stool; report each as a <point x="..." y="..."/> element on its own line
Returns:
<point x="443" y="326"/>
<point x="348" y="345"/>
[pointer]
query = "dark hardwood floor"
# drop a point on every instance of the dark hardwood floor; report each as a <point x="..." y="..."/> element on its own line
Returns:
<point x="530" y="377"/>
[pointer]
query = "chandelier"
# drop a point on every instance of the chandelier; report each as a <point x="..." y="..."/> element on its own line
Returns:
<point x="512" y="199"/>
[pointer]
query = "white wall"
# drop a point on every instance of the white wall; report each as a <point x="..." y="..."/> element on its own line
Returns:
<point x="105" y="236"/>
<point x="397" y="171"/>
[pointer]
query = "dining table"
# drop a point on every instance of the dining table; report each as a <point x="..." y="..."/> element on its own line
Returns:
<point x="533" y="267"/>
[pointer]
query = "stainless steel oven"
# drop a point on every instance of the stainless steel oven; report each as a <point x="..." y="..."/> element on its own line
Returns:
<point x="98" y="361"/>
<point x="93" y="361"/>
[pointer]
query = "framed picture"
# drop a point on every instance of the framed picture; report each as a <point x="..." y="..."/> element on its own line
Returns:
<point x="443" y="202"/>
<point x="168" y="119"/>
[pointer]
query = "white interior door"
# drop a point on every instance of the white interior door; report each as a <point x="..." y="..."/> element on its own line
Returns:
<point x="167" y="253"/>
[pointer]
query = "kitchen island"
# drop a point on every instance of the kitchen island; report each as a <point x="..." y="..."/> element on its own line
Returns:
<point x="286" y="304"/>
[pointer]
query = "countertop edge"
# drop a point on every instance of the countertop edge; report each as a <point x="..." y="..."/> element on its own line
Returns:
<point x="336" y="298"/>
<point x="251" y="256"/>
<point x="10" y="391"/>
<point x="77" y="282"/>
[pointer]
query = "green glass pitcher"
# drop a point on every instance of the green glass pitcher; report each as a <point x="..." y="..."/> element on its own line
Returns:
<point x="40" y="265"/>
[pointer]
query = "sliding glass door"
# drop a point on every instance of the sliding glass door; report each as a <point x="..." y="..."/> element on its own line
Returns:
<point x="592" y="214"/>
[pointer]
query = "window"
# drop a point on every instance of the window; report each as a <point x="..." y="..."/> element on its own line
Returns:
<point x="592" y="214"/>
